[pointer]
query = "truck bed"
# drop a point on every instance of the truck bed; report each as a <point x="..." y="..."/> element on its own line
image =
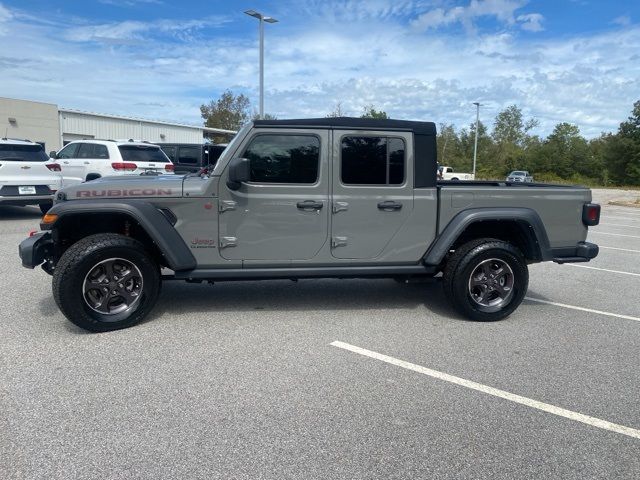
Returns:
<point x="559" y="206"/>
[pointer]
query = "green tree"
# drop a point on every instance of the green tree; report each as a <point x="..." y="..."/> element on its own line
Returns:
<point x="370" y="112"/>
<point x="337" y="111"/>
<point x="510" y="134"/>
<point x="266" y="116"/>
<point x="510" y="126"/>
<point x="229" y="112"/>
<point x="569" y="152"/>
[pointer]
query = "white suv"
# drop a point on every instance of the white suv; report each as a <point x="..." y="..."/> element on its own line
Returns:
<point x="27" y="175"/>
<point x="85" y="160"/>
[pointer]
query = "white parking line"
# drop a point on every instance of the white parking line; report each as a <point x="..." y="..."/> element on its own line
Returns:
<point x="613" y="234"/>
<point x="615" y="217"/>
<point x="618" y="225"/>
<point x="623" y="212"/>
<point x="621" y="249"/>
<point x="512" y="397"/>
<point x="583" y="309"/>
<point x="602" y="269"/>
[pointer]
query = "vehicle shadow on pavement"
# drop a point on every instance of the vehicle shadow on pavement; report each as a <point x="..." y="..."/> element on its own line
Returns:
<point x="304" y="295"/>
<point x="10" y="212"/>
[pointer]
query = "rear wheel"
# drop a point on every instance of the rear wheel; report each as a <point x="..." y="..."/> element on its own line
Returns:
<point x="106" y="282"/>
<point x="486" y="279"/>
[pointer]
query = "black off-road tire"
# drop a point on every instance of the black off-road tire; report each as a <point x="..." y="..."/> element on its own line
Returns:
<point x="465" y="261"/>
<point x="76" y="263"/>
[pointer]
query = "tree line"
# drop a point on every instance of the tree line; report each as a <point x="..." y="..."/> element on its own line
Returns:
<point x="612" y="159"/>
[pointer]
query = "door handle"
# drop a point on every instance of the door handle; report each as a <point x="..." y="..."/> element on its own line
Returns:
<point x="389" y="205"/>
<point x="309" y="205"/>
<point x="87" y="163"/>
<point x="66" y="163"/>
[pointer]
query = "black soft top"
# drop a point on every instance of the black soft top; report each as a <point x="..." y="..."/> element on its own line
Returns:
<point x="419" y="128"/>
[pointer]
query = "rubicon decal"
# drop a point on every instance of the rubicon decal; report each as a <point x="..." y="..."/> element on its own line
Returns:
<point x="133" y="192"/>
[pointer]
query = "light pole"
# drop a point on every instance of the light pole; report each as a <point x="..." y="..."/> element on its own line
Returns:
<point x="475" y="144"/>
<point x="262" y="18"/>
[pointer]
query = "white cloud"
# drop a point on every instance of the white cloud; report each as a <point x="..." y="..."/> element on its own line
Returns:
<point x="622" y="20"/>
<point x="531" y="22"/>
<point x="143" y="69"/>
<point x="502" y="10"/>
<point x="5" y="17"/>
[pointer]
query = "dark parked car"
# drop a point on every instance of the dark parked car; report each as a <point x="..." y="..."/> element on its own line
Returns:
<point x="191" y="157"/>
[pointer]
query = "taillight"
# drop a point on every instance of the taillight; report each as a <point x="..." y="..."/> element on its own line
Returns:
<point x="124" y="166"/>
<point x="54" y="167"/>
<point x="169" y="167"/>
<point x="591" y="214"/>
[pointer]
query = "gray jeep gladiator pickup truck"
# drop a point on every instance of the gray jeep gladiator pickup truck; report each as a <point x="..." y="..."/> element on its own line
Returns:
<point x="291" y="199"/>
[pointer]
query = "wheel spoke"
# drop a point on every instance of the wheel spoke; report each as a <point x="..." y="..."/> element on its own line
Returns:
<point x="127" y="296"/>
<point x="108" y="269"/>
<point x="486" y="269"/>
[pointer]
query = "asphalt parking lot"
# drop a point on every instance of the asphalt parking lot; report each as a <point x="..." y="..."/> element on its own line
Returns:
<point x="328" y="378"/>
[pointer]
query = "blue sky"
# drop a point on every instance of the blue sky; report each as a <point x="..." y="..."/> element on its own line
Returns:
<point x="562" y="60"/>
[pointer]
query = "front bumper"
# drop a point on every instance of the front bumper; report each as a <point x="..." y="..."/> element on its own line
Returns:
<point x="34" y="250"/>
<point x="582" y="252"/>
<point x="26" y="199"/>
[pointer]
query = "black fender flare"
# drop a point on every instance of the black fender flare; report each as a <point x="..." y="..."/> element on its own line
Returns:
<point x="150" y="218"/>
<point x="526" y="217"/>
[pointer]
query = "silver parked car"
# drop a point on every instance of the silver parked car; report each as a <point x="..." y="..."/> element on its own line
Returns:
<point x="520" y="176"/>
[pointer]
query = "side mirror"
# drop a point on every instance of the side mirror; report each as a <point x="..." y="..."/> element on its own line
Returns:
<point x="53" y="154"/>
<point x="239" y="173"/>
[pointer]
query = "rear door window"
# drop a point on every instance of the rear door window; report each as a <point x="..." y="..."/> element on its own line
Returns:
<point x="170" y="151"/>
<point x="92" y="150"/>
<point x="372" y="160"/>
<point x="142" y="153"/>
<point x="189" y="155"/>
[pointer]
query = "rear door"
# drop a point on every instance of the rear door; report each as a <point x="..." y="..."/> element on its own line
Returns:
<point x="92" y="160"/>
<point x="372" y="191"/>
<point x="282" y="214"/>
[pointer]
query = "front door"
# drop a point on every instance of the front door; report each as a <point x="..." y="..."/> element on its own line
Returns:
<point x="282" y="213"/>
<point x="372" y="193"/>
<point x="68" y="159"/>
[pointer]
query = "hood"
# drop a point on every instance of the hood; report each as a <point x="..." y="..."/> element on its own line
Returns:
<point x="129" y="186"/>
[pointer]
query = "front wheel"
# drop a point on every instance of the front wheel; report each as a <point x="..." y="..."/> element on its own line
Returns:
<point x="106" y="282"/>
<point x="486" y="279"/>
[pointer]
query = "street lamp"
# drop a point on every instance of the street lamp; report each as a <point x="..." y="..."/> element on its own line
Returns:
<point x="475" y="145"/>
<point x="262" y="18"/>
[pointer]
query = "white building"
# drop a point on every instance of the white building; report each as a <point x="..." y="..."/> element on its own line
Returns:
<point x="55" y="127"/>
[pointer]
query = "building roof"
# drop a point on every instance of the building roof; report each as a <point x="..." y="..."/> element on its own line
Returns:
<point x="157" y="122"/>
<point x="421" y="128"/>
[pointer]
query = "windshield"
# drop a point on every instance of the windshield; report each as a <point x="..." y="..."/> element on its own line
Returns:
<point x="518" y="174"/>
<point x="142" y="153"/>
<point x="23" y="153"/>
<point x="233" y="144"/>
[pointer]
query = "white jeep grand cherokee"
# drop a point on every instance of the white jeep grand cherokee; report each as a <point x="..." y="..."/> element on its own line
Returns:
<point x="84" y="160"/>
